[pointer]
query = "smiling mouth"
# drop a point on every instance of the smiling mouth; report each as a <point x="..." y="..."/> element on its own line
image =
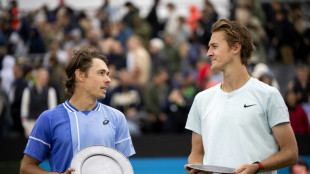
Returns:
<point x="104" y="88"/>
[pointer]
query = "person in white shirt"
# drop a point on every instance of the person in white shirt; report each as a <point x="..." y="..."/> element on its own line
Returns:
<point x="241" y="123"/>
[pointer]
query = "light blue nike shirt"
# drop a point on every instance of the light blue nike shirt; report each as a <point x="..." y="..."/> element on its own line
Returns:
<point x="236" y="127"/>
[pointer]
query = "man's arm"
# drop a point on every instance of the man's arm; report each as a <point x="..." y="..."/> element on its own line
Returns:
<point x="197" y="153"/>
<point x="30" y="165"/>
<point x="287" y="155"/>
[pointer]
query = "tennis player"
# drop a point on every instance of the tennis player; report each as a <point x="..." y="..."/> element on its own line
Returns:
<point x="241" y="123"/>
<point x="81" y="121"/>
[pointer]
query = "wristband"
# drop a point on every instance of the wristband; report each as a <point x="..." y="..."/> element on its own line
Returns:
<point x="260" y="167"/>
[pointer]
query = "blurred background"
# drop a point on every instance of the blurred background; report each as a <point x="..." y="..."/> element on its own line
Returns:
<point x="169" y="38"/>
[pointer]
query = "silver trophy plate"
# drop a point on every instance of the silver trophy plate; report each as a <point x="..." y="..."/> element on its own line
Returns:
<point x="100" y="160"/>
<point x="210" y="168"/>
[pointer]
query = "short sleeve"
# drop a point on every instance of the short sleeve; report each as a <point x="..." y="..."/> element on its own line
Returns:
<point x="39" y="142"/>
<point x="277" y="110"/>
<point x="193" y="122"/>
<point x="123" y="142"/>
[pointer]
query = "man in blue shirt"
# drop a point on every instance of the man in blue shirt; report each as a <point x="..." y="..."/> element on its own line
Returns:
<point x="81" y="121"/>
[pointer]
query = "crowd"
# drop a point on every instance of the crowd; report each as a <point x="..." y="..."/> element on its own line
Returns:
<point x="156" y="66"/>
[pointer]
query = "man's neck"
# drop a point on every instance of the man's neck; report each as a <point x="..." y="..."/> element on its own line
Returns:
<point x="235" y="79"/>
<point x="82" y="103"/>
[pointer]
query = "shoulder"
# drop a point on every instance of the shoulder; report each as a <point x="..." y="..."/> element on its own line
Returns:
<point x="51" y="89"/>
<point x="114" y="112"/>
<point x="208" y="92"/>
<point x="143" y="53"/>
<point x="50" y="113"/>
<point x="263" y="88"/>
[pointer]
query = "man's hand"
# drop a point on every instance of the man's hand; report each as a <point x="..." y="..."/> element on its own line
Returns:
<point x="247" y="169"/>
<point x="194" y="171"/>
<point x="69" y="170"/>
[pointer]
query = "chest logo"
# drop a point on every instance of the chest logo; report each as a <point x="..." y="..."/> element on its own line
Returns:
<point x="245" y="106"/>
<point x="105" y="122"/>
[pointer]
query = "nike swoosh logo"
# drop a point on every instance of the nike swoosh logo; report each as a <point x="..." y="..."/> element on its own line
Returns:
<point x="245" y="106"/>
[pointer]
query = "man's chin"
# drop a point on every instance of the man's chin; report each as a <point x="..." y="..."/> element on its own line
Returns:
<point x="102" y="96"/>
<point x="214" y="68"/>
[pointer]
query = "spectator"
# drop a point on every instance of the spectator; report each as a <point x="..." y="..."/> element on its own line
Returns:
<point x="15" y="97"/>
<point x="158" y="56"/>
<point x="132" y="12"/>
<point x="55" y="50"/>
<point x="155" y="96"/>
<point x="152" y="19"/>
<point x="179" y="103"/>
<point x="14" y="12"/>
<point x="301" y="84"/>
<point x="123" y="32"/>
<point x="171" y="25"/>
<point x="57" y="78"/>
<point x="109" y="10"/>
<point x="298" y="116"/>
<point x="183" y="33"/>
<point x="194" y="16"/>
<point x="138" y="61"/>
<point x="6" y="73"/>
<point x="126" y="97"/>
<point x="36" y="99"/>
<point x="35" y="42"/>
<point x="142" y="29"/>
<point x="255" y="27"/>
<point x="115" y="53"/>
<point x="5" y="115"/>
<point x="283" y="37"/>
<point x="262" y="72"/>
<point x="300" y="168"/>
<point x="172" y="52"/>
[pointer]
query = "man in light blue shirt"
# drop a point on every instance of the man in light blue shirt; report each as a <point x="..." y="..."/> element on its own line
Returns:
<point x="81" y="121"/>
<point x="241" y="123"/>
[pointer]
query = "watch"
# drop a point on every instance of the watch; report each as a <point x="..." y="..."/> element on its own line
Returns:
<point x="260" y="167"/>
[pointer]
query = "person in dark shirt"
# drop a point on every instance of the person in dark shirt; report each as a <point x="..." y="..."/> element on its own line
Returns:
<point x="16" y="93"/>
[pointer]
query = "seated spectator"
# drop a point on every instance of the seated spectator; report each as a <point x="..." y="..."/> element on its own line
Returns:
<point x="155" y="96"/>
<point x="179" y="103"/>
<point x="301" y="83"/>
<point x="300" y="168"/>
<point x="266" y="78"/>
<point x="298" y="116"/>
<point x="260" y="70"/>
<point x="158" y="56"/>
<point x="127" y="98"/>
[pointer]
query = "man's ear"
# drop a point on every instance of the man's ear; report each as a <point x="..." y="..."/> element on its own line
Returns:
<point x="79" y="75"/>
<point x="237" y="47"/>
